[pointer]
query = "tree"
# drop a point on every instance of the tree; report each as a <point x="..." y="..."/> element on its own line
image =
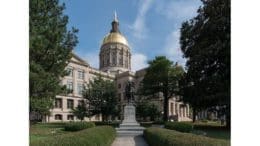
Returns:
<point x="50" y="49"/>
<point x="81" y="111"/>
<point x="205" y="42"/>
<point x="101" y="98"/>
<point x="162" y="76"/>
<point x="146" y="109"/>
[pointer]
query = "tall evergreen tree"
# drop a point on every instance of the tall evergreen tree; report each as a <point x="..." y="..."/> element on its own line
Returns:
<point x="50" y="49"/>
<point x="101" y="98"/>
<point x="162" y="76"/>
<point x="205" y="42"/>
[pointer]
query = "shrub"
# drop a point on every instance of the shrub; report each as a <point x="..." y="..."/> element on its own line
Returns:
<point x="204" y="121"/>
<point x="159" y="122"/>
<point x="209" y="127"/>
<point x="76" y="126"/>
<point x="179" y="126"/>
<point x="113" y="124"/>
<point x="146" y="124"/>
<point x="164" y="137"/>
<point x="96" y="136"/>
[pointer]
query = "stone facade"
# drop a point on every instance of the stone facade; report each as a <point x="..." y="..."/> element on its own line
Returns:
<point x="115" y="64"/>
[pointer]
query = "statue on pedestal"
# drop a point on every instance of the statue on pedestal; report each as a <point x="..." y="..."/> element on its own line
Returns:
<point x="129" y="92"/>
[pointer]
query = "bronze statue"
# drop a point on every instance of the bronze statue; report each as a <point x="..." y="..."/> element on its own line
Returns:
<point x="129" y="92"/>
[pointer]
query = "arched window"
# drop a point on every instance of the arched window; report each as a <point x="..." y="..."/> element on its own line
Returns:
<point x="58" y="117"/>
<point x="70" y="117"/>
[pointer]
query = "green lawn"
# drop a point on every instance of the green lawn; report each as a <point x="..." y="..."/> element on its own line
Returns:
<point x="42" y="131"/>
<point x="211" y="129"/>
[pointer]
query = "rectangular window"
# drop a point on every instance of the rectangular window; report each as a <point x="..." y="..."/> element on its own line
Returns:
<point x="58" y="103"/>
<point x="70" y="117"/>
<point x="70" y="71"/>
<point x="126" y="64"/>
<point x="70" y="86"/>
<point x="70" y="103"/>
<point x="121" y="61"/>
<point x="80" y="74"/>
<point x="80" y="88"/>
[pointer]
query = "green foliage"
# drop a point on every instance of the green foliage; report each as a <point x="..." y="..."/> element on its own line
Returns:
<point x="164" y="137"/>
<point x="113" y="124"/>
<point x="102" y="98"/>
<point x="159" y="122"/>
<point x="80" y="111"/>
<point x="50" y="49"/>
<point x="145" y="109"/>
<point x="146" y="124"/>
<point x="76" y="126"/>
<point x="179" y="126"/>
<point x="205" y="43"/>
<point x="161" y="76"/>
<point x="96" y="136"/>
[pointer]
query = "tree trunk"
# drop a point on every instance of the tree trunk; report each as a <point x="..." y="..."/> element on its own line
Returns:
<point x="194" y="114"/>
<point x="165" y="109"/>
<point x="228" y="118"/>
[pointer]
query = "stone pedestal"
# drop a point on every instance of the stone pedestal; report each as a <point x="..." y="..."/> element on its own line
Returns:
<point x="129" y="125"/>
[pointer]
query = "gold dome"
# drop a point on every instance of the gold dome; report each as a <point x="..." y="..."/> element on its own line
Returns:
<point x="115" y="37"/>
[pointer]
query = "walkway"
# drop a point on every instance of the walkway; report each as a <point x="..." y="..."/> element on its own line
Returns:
<point x="129" y="141"/>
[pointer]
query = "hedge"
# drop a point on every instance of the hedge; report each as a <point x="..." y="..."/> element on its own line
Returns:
<point x="96" y="136"/>
<point x="164" y="137"/>
<point x="113" y="124"/>
<point x="146" y="124"/>
<point x="76" y="126"/>
<point x="179" y="126"/>
<point x="209" y="127"/>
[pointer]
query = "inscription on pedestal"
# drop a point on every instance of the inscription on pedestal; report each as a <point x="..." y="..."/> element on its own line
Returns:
<point x="129" y="114"/>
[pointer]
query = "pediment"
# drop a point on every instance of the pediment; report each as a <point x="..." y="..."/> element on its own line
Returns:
<point x="78" y="60"/>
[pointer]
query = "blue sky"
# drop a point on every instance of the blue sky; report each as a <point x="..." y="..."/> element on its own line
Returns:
<point x="150" y="26"/>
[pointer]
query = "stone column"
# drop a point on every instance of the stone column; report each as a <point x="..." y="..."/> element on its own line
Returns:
<point x="74" y="77"/>
<point x="178" y="109"/>
<point x="64" y="103"/>
<point x="174" y="113"/>
<point x="184" y="111"/>
<point x="181" y="111"/>
<point x="75" y="102"/>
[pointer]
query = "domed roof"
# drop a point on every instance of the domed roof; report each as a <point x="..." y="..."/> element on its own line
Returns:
<point x="115" y="37"/>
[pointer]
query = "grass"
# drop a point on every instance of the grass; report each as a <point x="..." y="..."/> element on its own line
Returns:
<point x="43" y="131"/>
<point x="160" y="136"/>
<point x="211" y="129"/>
<point x="96" y="136"/>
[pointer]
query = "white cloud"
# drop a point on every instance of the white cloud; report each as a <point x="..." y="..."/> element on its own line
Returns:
<point x="93" y="59"/>
<point x="178" y="9"/>
<point x="139" y="27"/>
<point x="172" y="47"/>
<point x="139" y="61"/>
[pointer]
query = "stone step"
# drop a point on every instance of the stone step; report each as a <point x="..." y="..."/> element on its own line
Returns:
<point x="130" y="129"/>
<point x="129" y="125"/>
<point x="129" y="133"/>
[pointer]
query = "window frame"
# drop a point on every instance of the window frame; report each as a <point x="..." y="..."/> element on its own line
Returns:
<point x="68" y="103"/>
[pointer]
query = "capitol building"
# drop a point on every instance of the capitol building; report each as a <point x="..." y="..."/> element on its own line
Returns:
<point x="114" y="65"/>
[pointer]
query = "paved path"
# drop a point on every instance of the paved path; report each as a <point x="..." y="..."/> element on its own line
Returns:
<point x="129" y="141"/>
